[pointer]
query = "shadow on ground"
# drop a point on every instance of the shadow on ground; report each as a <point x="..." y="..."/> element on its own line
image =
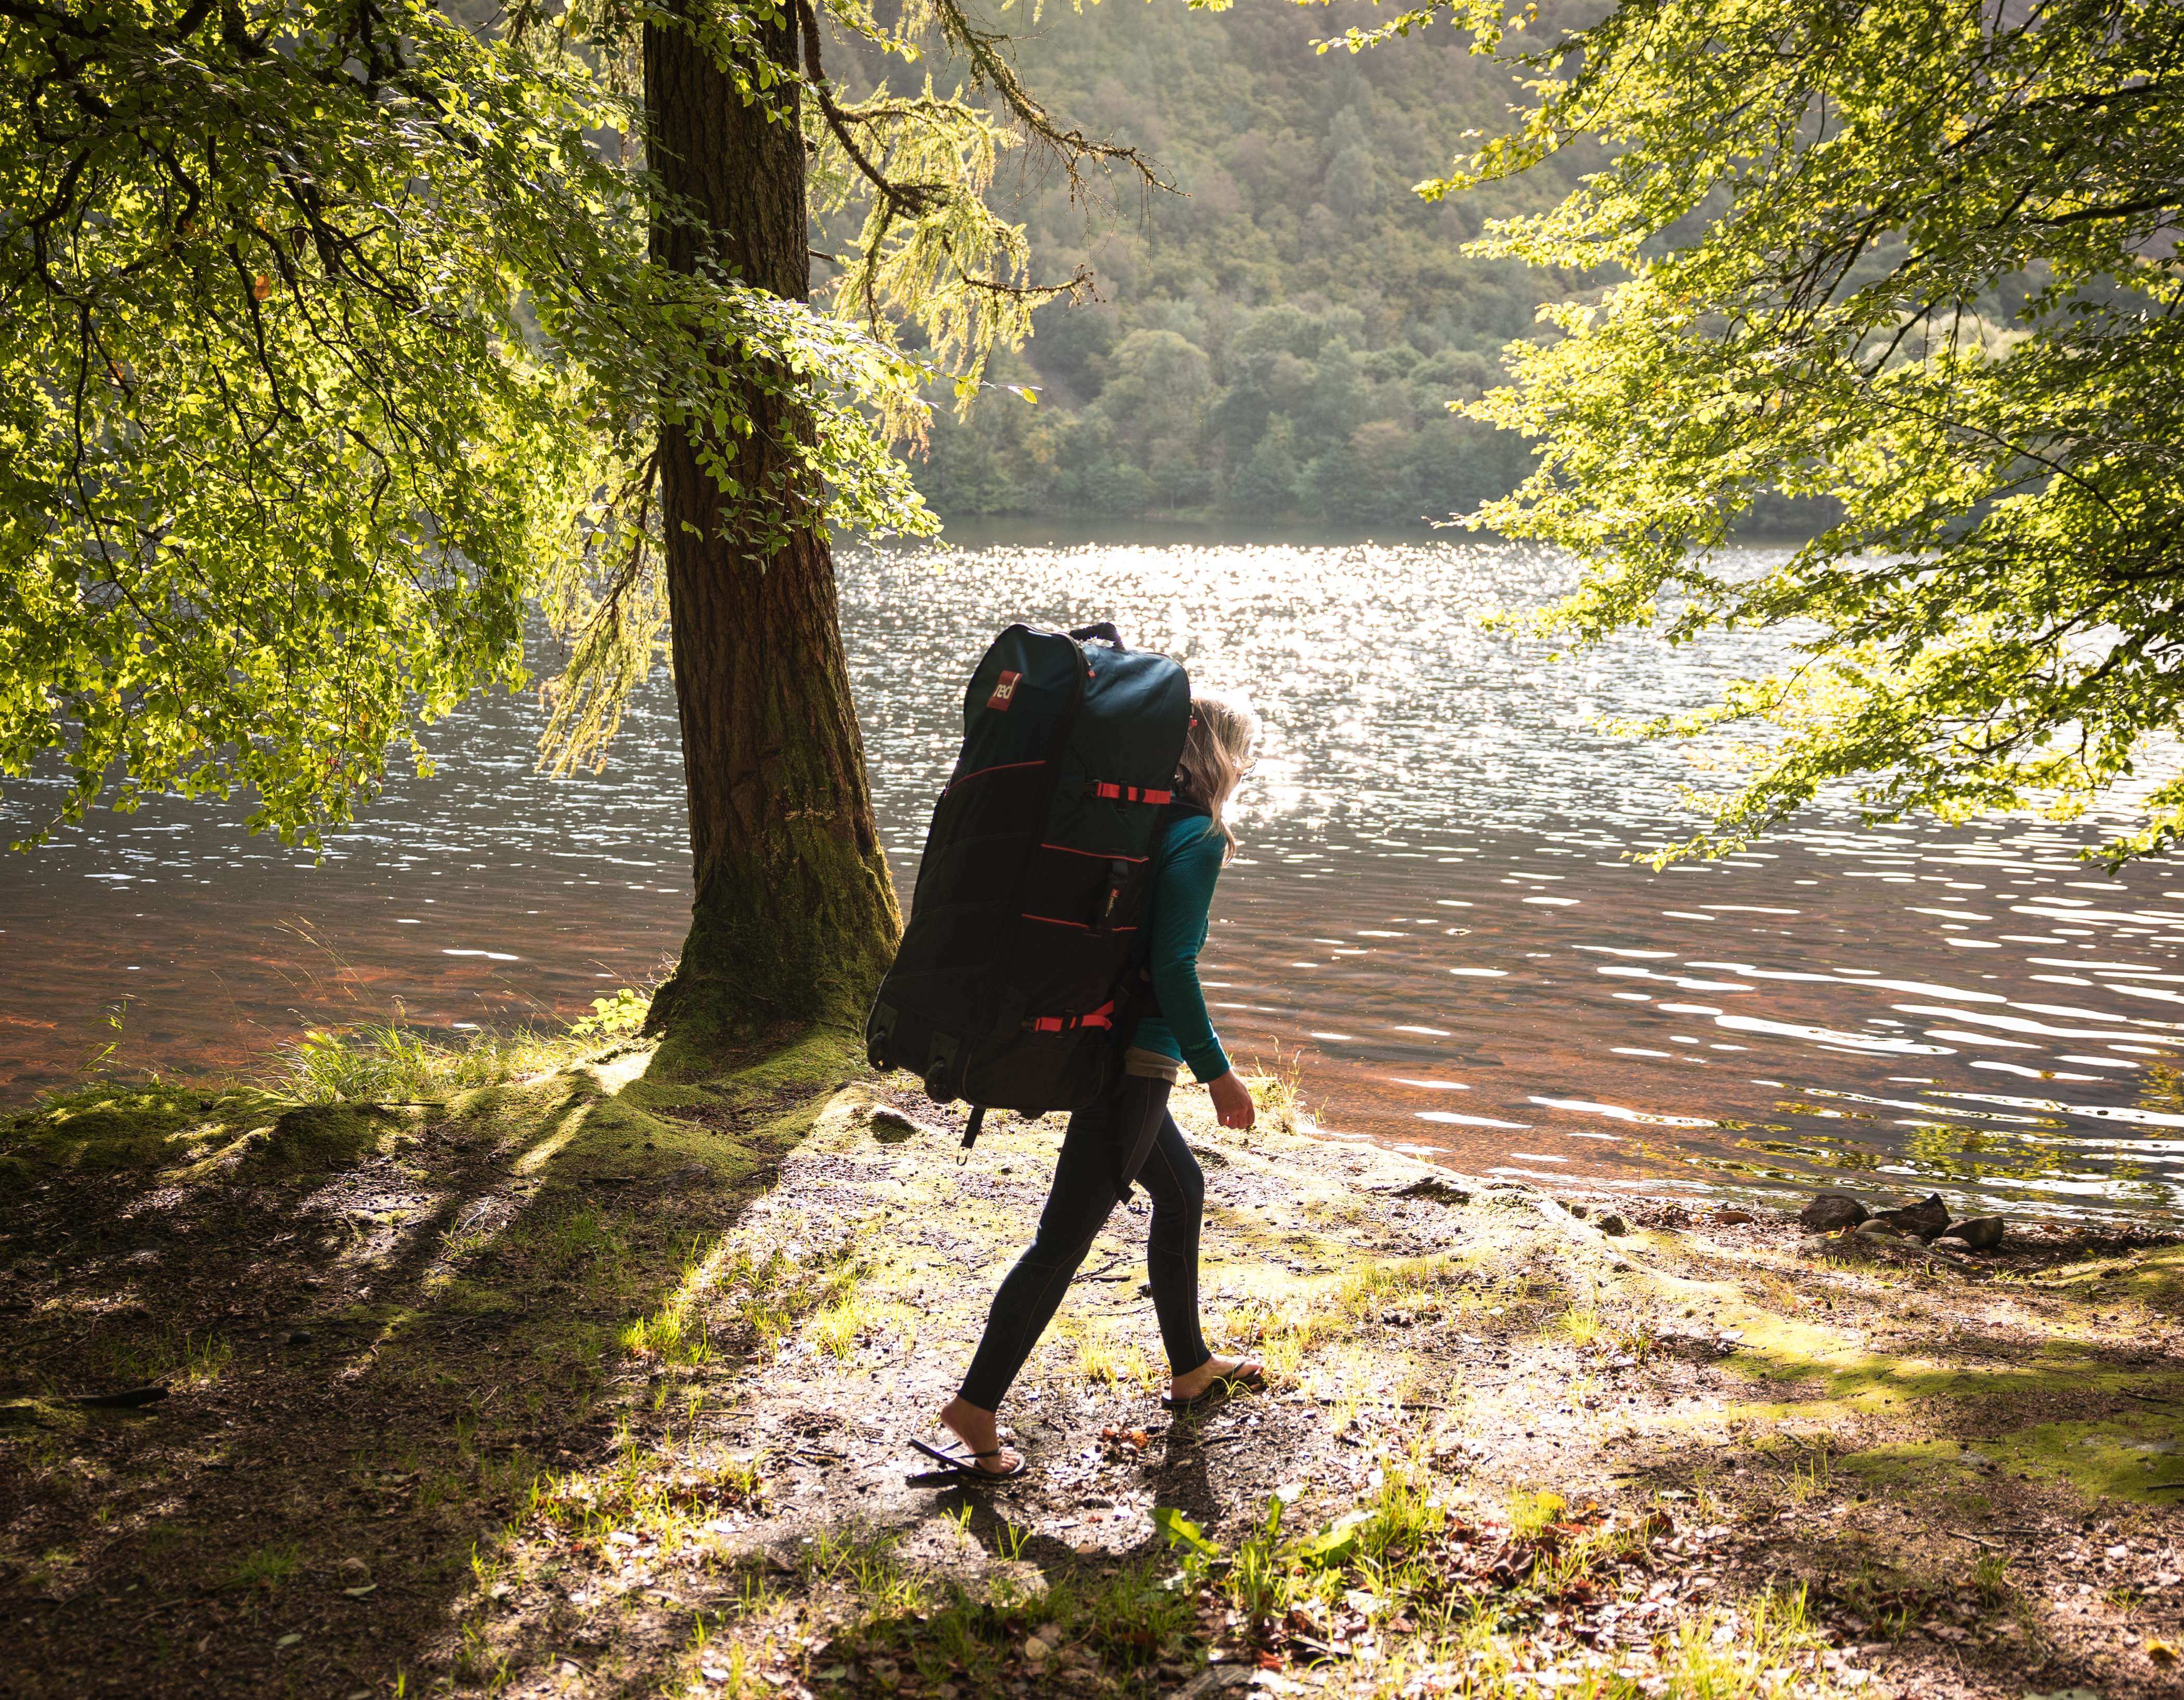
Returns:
<point x="352" y="1339"/>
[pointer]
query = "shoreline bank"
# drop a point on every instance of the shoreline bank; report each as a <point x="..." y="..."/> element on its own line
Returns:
<point x="596" y="1380"/>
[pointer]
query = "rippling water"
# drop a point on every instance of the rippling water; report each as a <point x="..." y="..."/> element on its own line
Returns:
<point x="1432" y="920"/>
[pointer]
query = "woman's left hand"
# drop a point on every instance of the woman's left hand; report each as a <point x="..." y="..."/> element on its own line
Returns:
<point x="1232" y="1101"/>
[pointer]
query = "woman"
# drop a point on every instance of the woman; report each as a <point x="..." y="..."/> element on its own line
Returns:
<point x="1091" y="1172"/>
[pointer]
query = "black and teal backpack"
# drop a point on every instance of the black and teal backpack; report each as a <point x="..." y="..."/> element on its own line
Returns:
<point x="1016" y="984"/>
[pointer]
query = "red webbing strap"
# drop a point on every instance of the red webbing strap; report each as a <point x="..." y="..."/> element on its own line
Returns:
<point x="1116" y="792"/>
<point x="1104" y="1016"/>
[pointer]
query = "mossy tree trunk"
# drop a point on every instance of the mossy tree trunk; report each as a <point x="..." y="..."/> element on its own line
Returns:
<point x="795" y="919"/>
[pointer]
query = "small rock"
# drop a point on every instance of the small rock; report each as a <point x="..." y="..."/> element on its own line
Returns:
<point x="891" y="1126"/>
<point x="1612" y="1224"/>
<point x="1433" y="1186"/>
<point x="1878" y="1231"/>
<point x="1579" y="1211"/>
<point x="1981" y="1233"/>
<point x="1827" y="1213"/>
<point x="1950" y="1243"/>
<point x="1925" y="1219"/>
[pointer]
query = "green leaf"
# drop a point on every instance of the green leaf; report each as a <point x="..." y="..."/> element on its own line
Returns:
<point x="1180" y="1532"/>
<point x="1336" y="1544"/>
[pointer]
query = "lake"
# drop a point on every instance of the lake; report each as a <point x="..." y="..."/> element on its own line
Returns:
<point x="1433" y="921"/>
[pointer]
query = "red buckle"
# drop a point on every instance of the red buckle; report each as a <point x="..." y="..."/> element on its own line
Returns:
<point x="1104" y="1016"/>
<point x="1116" y="792"/>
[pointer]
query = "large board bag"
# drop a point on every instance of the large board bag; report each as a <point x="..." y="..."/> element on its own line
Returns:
<point x="1014" y="979"/>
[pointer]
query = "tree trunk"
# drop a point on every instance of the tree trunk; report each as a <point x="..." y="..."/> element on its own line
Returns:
<point x="794" y="920"/>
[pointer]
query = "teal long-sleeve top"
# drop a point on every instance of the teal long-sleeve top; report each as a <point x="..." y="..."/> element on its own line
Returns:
<point x="1185" y="867"/>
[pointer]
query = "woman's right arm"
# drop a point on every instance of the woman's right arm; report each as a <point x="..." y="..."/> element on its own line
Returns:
<point x="1183" y="894"/>
<point x="1180" y="907"/>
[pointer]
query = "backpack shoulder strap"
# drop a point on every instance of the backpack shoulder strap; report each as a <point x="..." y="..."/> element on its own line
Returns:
<point x="1180" y="806"/>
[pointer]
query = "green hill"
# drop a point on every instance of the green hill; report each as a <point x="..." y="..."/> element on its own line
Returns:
<point x="1283" y="338"/>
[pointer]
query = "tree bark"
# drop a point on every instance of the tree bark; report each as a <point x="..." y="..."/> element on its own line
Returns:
<point x="794" y="920"/>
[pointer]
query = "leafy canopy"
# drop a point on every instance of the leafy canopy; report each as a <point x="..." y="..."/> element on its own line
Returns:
<point x="1917" y="260"/>
<point x="329" y="335"/>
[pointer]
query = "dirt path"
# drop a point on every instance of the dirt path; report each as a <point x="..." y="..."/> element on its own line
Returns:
<point x="597" y="1383"/>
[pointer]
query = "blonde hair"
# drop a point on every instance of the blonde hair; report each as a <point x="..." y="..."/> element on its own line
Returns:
<point x="1223" y="729"/>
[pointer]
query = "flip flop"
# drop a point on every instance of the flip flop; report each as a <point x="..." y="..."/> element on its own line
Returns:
<point x="1247" y="1377"/>
<point x="953" y="1467"/>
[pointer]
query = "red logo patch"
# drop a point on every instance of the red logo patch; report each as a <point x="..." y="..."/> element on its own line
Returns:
<point x="1005" y="693"/>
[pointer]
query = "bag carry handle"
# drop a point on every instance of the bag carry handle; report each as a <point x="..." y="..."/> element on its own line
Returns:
<point x="1104" y="630"/>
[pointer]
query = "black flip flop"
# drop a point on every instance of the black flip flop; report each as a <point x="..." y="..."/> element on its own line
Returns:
<point x="953" y="1467"/>
<point x="1247" y="1377"/>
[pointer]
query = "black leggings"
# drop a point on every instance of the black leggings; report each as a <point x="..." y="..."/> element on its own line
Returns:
<point x="1077" y="1207"/>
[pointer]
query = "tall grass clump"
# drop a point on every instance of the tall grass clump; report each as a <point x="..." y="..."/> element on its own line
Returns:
<point x="388" y="1062"/>
<point x="1278" y="1091"/>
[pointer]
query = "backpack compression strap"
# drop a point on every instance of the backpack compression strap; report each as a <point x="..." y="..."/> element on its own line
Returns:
<point x="1104" y="1016"/>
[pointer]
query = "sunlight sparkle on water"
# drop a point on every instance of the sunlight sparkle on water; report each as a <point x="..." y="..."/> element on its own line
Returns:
<point x="1437" y="815"/>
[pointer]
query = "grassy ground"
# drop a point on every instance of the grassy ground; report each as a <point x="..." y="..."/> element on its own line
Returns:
<point x="554" y="1367"/>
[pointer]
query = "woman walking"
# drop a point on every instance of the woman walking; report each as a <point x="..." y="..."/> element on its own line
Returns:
<point x="1129" y="1134"/>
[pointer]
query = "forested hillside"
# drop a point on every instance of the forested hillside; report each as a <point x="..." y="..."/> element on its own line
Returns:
<point x="1281" y="338"/>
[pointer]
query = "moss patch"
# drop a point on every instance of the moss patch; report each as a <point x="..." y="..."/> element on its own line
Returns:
<point x="106" y="1128"/>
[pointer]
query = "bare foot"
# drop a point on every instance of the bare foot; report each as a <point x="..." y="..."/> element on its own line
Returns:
<point x="975" y="1429"/>
<point x="1206" y="1374"/>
